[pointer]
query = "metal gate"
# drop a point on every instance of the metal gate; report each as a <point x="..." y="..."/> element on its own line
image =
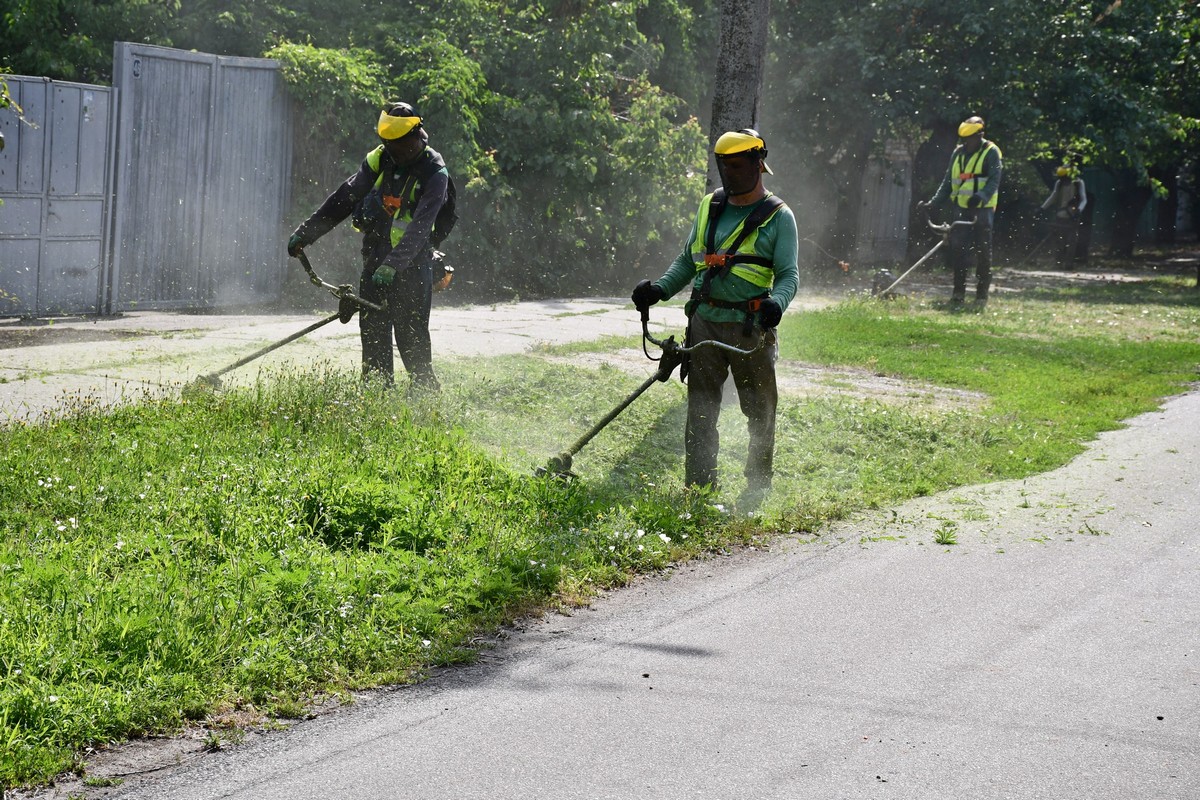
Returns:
<point x="883" y="218"/>
<point x="55" y="183"/>
<point x="203" y="167"/>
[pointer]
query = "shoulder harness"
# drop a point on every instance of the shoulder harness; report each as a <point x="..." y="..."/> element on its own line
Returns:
<point x="720" y="262"/>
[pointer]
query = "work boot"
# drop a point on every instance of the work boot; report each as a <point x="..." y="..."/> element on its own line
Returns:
<point x="422" y="385"/>
<point x="751" y="498"/>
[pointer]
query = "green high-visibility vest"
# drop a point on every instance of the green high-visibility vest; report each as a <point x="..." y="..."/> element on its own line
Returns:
<point x="966" y="178"/>
<point x="747" y="264"/>
<point x="400" y="206"/>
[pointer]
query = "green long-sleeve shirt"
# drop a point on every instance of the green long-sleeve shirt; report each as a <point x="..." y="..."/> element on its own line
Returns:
<point x="777" y="240"/>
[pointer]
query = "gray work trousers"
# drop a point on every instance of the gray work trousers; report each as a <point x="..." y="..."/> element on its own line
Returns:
<point x="754" y="377"/>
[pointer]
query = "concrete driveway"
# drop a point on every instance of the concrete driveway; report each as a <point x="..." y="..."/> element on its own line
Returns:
<point x="46" y="363"/>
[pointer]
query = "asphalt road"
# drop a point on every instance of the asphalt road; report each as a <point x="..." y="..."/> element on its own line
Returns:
<point x="1051" y="653"/>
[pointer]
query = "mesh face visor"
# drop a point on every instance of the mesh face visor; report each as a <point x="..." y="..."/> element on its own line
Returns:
<point x="740" y="179"/>
<point x="745" y="142"/>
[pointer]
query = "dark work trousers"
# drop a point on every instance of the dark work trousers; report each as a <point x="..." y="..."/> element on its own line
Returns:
<point x="754" y="377"/>
<point x="1066" y="237"/>
<point x="970" y="243"/>
<point x="409" y="298"/>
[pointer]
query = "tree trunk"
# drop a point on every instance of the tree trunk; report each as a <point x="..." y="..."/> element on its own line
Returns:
<point x="847" y="175"/>
<point x="929" y="167"/>
<point x="1168" y="209"/>
<point x="1131" y="199"/>
<point x="740" y="58"/>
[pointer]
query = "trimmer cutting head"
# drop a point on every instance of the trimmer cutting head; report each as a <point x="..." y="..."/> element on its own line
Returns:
<point x="557" y="467"/>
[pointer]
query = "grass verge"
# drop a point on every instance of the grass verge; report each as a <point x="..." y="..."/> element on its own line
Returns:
<point x="167" y="560"/>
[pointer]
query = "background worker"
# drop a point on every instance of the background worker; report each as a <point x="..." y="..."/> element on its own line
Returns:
<point x="740" y="260"/>
<point x="395" y="198"/>
<point x="971" y="185"/>
<point x="1067" y="200"/>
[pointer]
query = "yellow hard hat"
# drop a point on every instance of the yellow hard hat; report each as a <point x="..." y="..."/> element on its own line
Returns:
<point x="1063" y="172"/>
<point x="746" y="141"/>
<point x="970" y="126"/>
<point x="397" y="120"/>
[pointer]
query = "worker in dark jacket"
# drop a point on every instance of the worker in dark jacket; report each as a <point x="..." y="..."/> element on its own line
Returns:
<point x="972" y="186"/>
<point x="740" y="260"/>
<point x="395" y="198"/>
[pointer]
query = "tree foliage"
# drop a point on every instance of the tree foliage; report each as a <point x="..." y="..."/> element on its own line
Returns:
<point x="1102" y="83"/>
<point x="576" y="130"/>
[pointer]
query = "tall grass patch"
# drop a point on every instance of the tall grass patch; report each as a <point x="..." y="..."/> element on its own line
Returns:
<point x="251" y="548"/>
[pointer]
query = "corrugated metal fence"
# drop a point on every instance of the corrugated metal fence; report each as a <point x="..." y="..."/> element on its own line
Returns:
<point x="55" y="182"/>
<point x="167" y="191"/>
<point x="202" y="175"/>
<point x="883" y="218"/>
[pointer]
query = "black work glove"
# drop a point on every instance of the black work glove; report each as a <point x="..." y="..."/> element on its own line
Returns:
<point x="296" y="243"/>
<point x="769" y="313"/>
<point x="646" y="294"/>
<point x="975" y="201"/>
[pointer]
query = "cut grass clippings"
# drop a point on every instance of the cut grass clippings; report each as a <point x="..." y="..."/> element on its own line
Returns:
<point x="256" y="548"/>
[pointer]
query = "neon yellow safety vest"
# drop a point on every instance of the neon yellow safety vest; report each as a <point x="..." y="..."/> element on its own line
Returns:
<point x="966" y="179"/>
<point x="399" y="206"/>
<point x="746" y="263"/>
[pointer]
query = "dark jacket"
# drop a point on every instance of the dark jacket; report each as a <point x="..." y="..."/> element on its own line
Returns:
<point x="431" y="186"/>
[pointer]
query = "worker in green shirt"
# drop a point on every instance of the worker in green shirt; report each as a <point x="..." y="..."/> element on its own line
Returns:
<point x="740" y="260"/>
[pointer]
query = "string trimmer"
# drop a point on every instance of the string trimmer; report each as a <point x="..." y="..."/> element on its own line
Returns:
<point x="672" y="356"/>
<point x="348" y="304"/>
<point x="944" y="229"/>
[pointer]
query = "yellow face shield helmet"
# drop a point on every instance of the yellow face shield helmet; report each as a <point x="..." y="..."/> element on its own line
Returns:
<point x="1063" y="172"/>
<point x="743" y="142"/>
<point x="396" y="127"/>
<point x="970" y="127"/>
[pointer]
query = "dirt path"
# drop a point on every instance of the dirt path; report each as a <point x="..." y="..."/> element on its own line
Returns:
<point x="45" y="364"/>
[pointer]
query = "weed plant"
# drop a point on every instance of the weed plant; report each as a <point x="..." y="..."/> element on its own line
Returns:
<point x="251" y="549"/>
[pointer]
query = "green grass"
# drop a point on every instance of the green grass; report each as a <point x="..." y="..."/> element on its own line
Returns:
<point x="1051" y="386"/>
<point x="168" y="560"/>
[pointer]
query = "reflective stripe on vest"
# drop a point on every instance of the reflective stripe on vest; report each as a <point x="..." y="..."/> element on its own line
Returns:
<point x="760" y="275"/>
<point x="966" y="179"/>
<point x="396" y="204"/>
